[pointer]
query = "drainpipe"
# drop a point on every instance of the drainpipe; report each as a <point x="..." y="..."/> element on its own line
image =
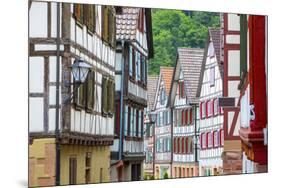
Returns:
<point x="195" y="133"/>
<point x="57" y="131"/>
<point x="121" y="104"/>
<point x="172" y="140"/>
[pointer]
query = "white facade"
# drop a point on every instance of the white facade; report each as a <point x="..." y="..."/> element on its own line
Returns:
<point x="211" y="119"/>
<point x="83" y="45"/>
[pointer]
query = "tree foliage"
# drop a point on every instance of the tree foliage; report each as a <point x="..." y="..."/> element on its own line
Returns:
<point x="176" y="28"/>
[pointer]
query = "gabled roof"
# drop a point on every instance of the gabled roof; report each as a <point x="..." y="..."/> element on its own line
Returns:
<point x="166" y="73"/>
<point x="151" y="90"/>
<point x="189" y="60"/>
<point x="126" y="26"/>
<point x="214" y="35"/>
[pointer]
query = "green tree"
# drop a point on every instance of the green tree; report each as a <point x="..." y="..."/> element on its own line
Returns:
<point x="176" y="28"/>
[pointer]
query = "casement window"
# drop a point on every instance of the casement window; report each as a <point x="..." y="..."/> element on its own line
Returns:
<point x="162" y="96"/>
<point x="138" y="66"/>
<point x="212" y="77"/>
<point x="207" y="108"/>
<point x="168" y="144"/>
<point x="134" y="63"/>
<point x="80" y="97"/>
<point x="183" y="145"/>
<point x="179" y="118"/>
<point x="190" y="145"/>
<point x="215" y="106"/>
<point x="181" y="89"/>
<point x="88" y="167"/>
<point x="126" y="120"/>
<point x="141" y="123"/>
<point x="209" y="105"/>
<point x="221" y="137"/>
<point x="132" y="121"/>
<point x="203" y="109"/>
<point x="243" y="45"/>
<point x="179" y="145"/>
<point x="79" y="13"/>
<point x="215" y="139"/>
<point x="137" y="123"/>
<point x="131" y="61"/>
<point x="175" y="146"/>
<point x="72" y="170"/>
<point x="90" y="17"/>
<point x="210" y="140"/>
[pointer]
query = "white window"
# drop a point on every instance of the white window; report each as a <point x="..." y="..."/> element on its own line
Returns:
<point x="212" y="76"/>
<point x="210" y="139"/>
<point x="210" y="113"/>
<point x="130" y="61"/>
<point x="203" y="110"/>
<point x="203" y="138"/>
<point x="216" y="139"/>
<point x="126" y="120"/>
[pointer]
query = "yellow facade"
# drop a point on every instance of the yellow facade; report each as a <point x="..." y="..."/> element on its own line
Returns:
<point x="100" y="163"/>
<point x="185" y="170"/>
<point x="42" y="162"/>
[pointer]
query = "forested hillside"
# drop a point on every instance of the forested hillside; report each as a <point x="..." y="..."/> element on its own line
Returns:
<point x="176" y="28"/>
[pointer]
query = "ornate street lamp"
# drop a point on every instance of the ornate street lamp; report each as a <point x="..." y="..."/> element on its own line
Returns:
<point x="80" y="70"/>
<point x="152" y="117"/>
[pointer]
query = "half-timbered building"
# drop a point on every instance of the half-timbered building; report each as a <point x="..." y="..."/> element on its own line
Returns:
<point x="149" y="127"/>
<point x="163" y="125"/>
<point x="211" y="119"/>
<point x="183" y="103"/>
<point x="133" y="50"/>
<point x="253" y="93"/>
<point x="71" y="129"/>
<point x="232" y="156"/>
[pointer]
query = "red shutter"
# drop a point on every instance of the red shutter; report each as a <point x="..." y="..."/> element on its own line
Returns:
<point x="182" y="146"/>
<point x="186" y="117"/>
<point x="214" y="138"/>
<point x="186" y="145"/>
<point x="178" y="142"/>
<point x="207" y="141"/>
<point x="213" y="107"/>
<point x="191" y="116"/>
<point x="182" y="89"/>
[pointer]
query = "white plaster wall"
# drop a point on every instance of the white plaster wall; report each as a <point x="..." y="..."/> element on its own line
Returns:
<point x="233" y="22"/>
<point x="36" y="74"/>
<point x="233" y="62"/>
<point x="36" y="116"/>
<point x="38" y="19"/>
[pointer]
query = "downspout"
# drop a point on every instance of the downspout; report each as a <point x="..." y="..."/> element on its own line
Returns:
<point x="195" y="133"/>
<point x="57" y="131"/>
<point x="121" y="104"/>
<point x="172" y="140"/>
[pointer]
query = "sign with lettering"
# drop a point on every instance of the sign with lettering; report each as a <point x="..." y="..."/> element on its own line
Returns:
<point x="227" y="102"/>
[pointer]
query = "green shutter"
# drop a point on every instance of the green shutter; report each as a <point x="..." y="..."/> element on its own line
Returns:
<point x="104" y="95"/>
<point x="105" y="23"/>
<point x="90" y="90"/>
<point x="243" y="44"/>
<point x="78" y="13"/>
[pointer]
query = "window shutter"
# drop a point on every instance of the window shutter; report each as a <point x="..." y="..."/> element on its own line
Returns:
<point x="178" y="144"/>
<point x="243" y="44"/>
<point x="186" y="117"/>
<point x="104" y="95"/>
<point x="105" y="23"/>
<point x="175" y="145"/>
<point x="182" y="117"/>
<point x="182" y="145"/>
<point x="186" y="145"/>
<point x="191" y="116"/>
<point x="90" y="90"/>
<point x="129" y="121"/>
<point x="78" y="13"/>
<point x="117" y="119"/>
<point x="207" y="141"/>
<point x="221" y="137"/>
<point x="201" y="140"/>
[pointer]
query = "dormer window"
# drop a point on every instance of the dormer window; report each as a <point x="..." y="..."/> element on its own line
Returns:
<point x="181" y="89"/>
